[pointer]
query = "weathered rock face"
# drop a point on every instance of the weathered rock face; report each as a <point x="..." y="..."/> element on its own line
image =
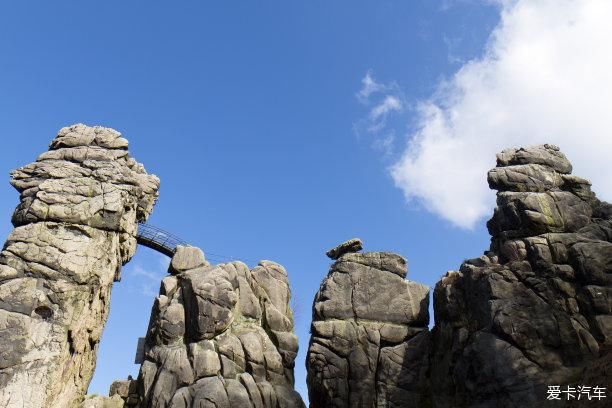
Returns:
<point x="74" y="228"/>
<point x="536" y="309"/>
<point x="219" y="336"/>
<point x="370" y="341"/>
<point x="97" y="401"/>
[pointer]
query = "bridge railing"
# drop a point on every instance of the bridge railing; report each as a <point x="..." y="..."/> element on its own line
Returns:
<point x="158" y="239"/>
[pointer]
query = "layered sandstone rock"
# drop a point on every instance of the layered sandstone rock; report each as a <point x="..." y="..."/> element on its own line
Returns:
<point x="370" y="341"/>
<point x="536" y="309"/>
<point x="74" y="229"/>
<point x="219" y="336"/>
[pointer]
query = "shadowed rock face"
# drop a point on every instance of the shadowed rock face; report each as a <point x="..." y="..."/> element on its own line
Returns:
<point x="370" y="341"/>
<point x="536" y="309"/>
<point x="74" y="228"/>
<point x="219" y="336"/>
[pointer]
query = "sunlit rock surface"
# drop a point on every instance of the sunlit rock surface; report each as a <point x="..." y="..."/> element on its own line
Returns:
<point x="74" y="228"/>
<point x="219" y="336"/>
<point x="534" y="311"/>
<point x="370" y="341"/>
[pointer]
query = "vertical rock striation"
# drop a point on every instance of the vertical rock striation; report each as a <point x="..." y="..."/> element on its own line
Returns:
<point x="219" y="336"/>
<point x="535" y="310"/>
<point x="370" y="341"/>
<point x="74" y="228"/>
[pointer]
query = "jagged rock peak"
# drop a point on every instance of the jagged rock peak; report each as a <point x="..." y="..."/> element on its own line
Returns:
<point x="352" y="245"/>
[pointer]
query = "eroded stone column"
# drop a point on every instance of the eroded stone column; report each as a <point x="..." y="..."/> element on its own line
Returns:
<point x="370" y="341"/>
<point x="74" y="229"/>
<point x="220" y="336"/>
<point x="536" y="309"/>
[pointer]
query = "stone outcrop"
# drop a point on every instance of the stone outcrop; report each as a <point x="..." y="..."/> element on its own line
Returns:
<point x="219" y="336"/>
<point x="97" y="401"/>
<point x="127" y="390"/>
<point x="74" y="229"/>
<point x="370" y="341"/>
<point x="535" y="310"/>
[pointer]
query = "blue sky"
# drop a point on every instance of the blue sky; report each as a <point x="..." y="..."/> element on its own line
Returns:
<point x="250" y="114"/>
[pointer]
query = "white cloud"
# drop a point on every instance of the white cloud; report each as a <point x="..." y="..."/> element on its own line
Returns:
<point x="147" y="280"/>
<point x="382" y="100"/>
<point x="545" y="77"/>
<point x="389" y="104"/>
<point x="164" y="262"/>
<point x="368" y="87"/>
<point x="138" y="270"/>
<point x="385" y="144"/>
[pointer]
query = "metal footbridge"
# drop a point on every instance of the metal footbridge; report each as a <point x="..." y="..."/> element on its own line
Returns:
<point x="166" y="243"/>
<point x="158" y="239"/>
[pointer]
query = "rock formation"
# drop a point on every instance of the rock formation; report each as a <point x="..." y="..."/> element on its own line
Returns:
<point x="219" y="336"/>
<point x="74" y="229"/>
<point x="370" y="341"/>
<point x="97" y="401"/>
<point x="535" y="310"/>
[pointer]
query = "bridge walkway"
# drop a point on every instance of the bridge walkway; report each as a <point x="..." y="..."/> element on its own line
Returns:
<point x="158" y="239"/>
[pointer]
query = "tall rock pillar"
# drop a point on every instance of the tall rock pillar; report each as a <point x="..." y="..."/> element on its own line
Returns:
<point x="536" y="310"/>
<point x="74" y="229"/>
<point x="220" y="336"/>
<point x="370" y="341"/>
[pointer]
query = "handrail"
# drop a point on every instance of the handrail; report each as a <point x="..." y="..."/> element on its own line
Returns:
<point x="158" y="239"/>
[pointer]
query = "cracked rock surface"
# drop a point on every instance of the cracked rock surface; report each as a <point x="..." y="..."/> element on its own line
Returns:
<point x="219" y="336"/>
<point x="370" y="341"/>
<point x="74" y="228"/>
<point x="536" y="309"/>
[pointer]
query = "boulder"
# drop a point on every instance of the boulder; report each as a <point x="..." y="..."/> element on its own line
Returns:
<point x="186" y="258"/>
<point x="352" y="245"/>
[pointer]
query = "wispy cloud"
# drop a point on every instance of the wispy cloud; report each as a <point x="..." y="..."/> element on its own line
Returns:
<point x="379" y="113"/>
<point x="544" y="77"/>
<point x="146" y="280"/>
<point x="163" y="261"/>
<point x="385" y="144"/>
<point x="368" y="87"/>
<point x="138" y="270"/>
<point x="382" y="100"/>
